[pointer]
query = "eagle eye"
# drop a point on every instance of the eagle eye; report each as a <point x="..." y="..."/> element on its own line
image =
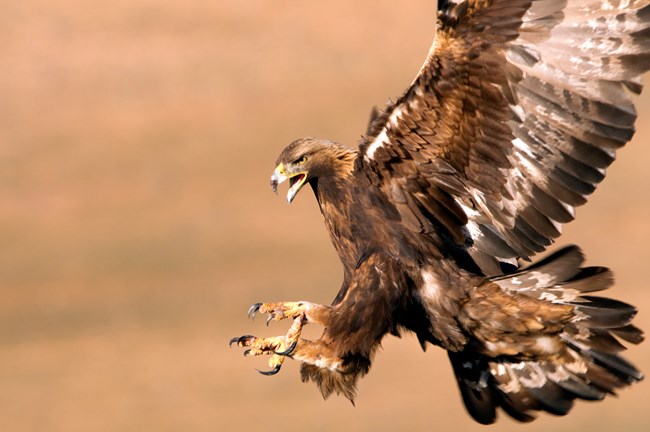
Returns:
<point x="301" y="160"/>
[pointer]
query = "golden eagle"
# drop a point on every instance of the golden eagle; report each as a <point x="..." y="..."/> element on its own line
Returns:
<point x="509" y="125"/>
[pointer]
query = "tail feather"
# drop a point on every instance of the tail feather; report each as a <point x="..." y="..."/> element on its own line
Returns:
<point x="518" y="406"/>
<point x="603" y="340"/>
<point x="552" y="398"/>
<point x="557" y="268"/>
<point x="587" y="365"/>
<point x="580" y="388"/>
<point x="591" y="279"/>
<point x="601" y="312"/>
<point x="613" y="363"/>
<point x="600" y="378"/>
<point x="472" y="374"/>
<point x="629" y="333"/>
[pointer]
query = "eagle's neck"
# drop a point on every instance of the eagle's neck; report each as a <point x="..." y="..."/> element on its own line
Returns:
<point x="334" y="190"/>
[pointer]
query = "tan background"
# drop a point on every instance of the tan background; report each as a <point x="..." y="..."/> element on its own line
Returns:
<point x="137" y="224"/>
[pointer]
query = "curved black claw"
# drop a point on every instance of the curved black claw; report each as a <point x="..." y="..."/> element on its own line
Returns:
<point x="240" y="339"/>
<point x="273" y="371"/>
<point x="253" y="310"/>
<point x="268" y="319"/>
<point x="288" y="351"/>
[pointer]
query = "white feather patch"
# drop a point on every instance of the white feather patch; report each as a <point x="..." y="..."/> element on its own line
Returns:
<point x="431" y="289"/>
<point x="378" y="142"/>
<point x="382" y="138"/>
<point x="327" y="364"/>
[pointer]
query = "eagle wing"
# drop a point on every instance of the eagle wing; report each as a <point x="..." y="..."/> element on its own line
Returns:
<point x="511" y="122"/>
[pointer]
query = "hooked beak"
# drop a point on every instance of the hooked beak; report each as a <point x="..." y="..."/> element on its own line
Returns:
<point x="295" y="180"/>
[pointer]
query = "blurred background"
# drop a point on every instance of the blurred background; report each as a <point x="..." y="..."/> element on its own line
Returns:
<point x="137" y="224"/>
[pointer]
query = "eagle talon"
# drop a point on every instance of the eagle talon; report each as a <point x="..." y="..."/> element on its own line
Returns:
<point x="241" y="340"/>
<point x="288" y="351"/>
<point x="273" y="371"/>
<point x="253" y="310"/>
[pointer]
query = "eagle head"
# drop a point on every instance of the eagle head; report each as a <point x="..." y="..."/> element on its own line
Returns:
<point x="306" y="160"/>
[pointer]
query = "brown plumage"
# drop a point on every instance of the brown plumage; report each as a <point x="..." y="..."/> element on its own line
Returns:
<point x="509" y="125"/>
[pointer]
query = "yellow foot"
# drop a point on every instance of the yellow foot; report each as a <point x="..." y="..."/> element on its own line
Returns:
<point x="277" y="347"/>
<point x="280" y="311"/>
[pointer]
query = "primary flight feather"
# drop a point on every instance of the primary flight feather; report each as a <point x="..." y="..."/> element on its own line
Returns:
<point x="509" y="125"/>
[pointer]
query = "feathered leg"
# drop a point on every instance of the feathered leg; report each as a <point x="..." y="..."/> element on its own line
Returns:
<point x="354" y="325"/>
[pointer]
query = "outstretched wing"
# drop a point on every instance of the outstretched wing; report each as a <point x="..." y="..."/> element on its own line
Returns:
<point x="512" y="120"/>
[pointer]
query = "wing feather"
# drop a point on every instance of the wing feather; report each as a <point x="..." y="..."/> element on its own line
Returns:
<point x="512" y="120"/>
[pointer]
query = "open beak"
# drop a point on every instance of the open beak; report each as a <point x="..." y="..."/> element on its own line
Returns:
<point x="295" y="181"/>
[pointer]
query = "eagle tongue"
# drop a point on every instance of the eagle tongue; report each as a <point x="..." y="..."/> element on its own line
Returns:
<point x="295" y="179"/>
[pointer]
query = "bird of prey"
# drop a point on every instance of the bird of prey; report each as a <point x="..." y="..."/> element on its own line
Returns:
<point x="509" y="125"/>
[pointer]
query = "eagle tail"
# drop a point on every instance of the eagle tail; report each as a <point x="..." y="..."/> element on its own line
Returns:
<point x="588" y="366"/>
